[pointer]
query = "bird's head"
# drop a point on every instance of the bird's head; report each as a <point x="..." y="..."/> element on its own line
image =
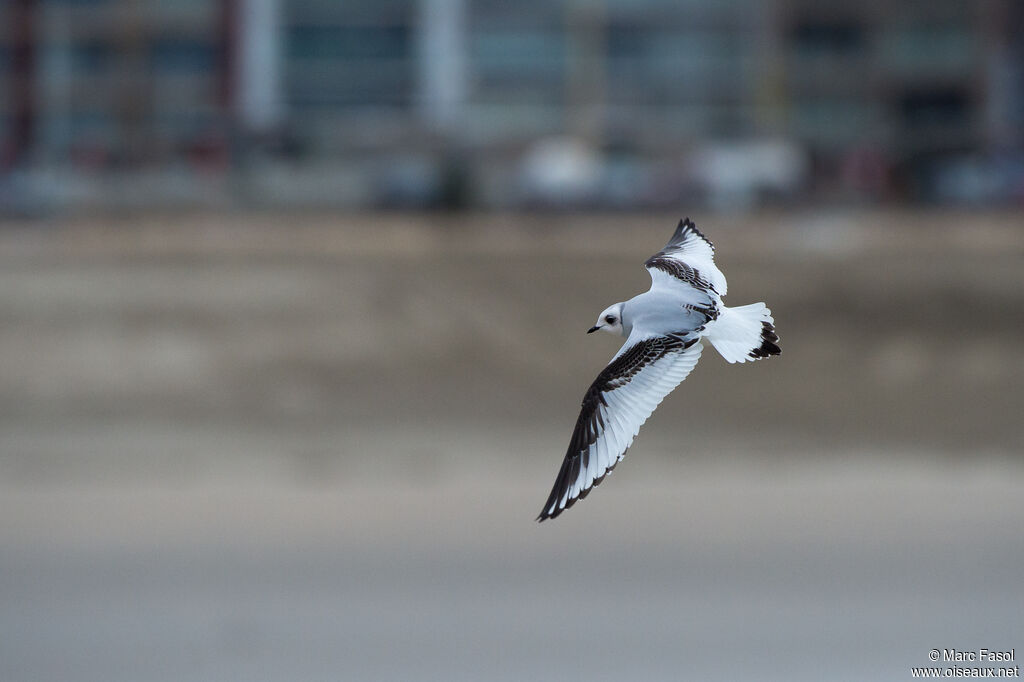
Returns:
<point x="610" y="321"/>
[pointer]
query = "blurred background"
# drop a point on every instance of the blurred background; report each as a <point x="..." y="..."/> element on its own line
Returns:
<point x="457" y="103"/>
<point x="293" y="296"/>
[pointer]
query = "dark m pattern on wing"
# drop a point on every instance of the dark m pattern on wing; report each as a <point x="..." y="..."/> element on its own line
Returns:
<point x="590" y="425"/>
<point x="710" y="312"/>
<point x="680" y="271"/>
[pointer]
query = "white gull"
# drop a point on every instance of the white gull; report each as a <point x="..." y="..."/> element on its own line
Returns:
<point x="663" y="327"/>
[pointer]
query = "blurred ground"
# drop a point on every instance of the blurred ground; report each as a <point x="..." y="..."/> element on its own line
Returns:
<point x="311" y="447"/>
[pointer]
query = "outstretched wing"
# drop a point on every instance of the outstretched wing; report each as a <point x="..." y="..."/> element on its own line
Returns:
<point x="619" y="401"/>
<point x="687" y="259"/>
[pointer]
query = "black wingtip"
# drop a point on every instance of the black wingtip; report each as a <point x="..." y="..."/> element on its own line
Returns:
<point x="685" y="228"/>
<point x="544" y="515"/>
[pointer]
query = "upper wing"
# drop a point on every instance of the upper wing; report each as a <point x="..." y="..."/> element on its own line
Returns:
<point x="688" y="258"/>
<point x="619" y="401"/>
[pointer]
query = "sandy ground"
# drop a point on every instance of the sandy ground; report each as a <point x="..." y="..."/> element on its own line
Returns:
<point x="311" y="447"/>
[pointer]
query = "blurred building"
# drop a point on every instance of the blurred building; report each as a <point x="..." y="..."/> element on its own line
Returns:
<point x="450" y="101"/>
<point x="904" y="86"/>
<point x="99" y="83"/>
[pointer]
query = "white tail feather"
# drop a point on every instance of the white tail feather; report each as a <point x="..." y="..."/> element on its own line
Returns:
<point x="743" y="333"/>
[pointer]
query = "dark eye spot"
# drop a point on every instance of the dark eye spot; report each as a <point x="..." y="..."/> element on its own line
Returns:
<point x="610" y="319"/>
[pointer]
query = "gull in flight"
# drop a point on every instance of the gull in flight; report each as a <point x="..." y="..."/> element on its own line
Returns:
<point x="663" y="328"/>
